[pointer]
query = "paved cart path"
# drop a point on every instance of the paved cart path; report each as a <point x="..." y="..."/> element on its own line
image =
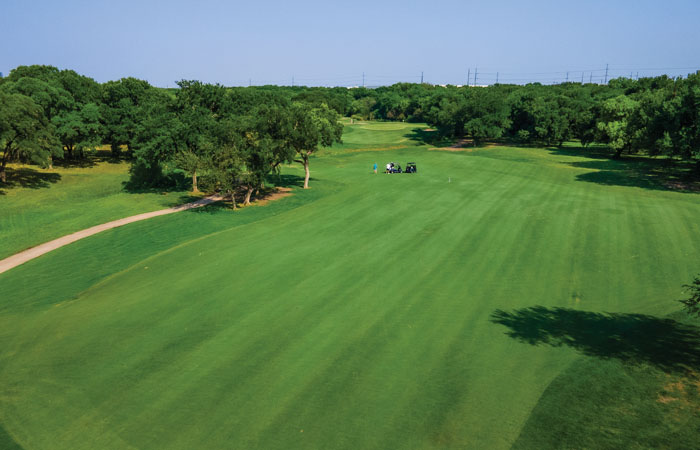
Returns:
<point x="34" y="252"/>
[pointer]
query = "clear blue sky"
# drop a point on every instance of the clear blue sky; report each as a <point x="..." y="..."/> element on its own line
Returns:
<point x="332" y="42"/>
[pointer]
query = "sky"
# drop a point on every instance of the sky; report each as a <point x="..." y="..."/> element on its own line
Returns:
<point x="329" y="43"/>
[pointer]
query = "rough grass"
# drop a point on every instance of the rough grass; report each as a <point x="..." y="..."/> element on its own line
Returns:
<point x="41" y="204"/>
<point x="357" y="314"/>
<point x="604" y="403"/>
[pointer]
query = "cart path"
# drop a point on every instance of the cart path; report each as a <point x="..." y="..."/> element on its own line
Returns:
<point x="34" y="252"/>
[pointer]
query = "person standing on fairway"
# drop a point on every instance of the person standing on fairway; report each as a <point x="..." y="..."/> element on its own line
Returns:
<point x="375" y="167"/>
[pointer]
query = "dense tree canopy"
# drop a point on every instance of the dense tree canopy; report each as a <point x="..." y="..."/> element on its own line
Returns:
<point x="24" y="132"/>
<point x="186" y="129"/>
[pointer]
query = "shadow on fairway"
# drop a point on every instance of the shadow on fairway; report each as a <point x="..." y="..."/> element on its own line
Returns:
<point x="213" y="208"/>
<point x="28" y="178"/>
<point x="6" y="441"/>
<point x="592" y="151"/>
<point x="429" y="137"/>
<point x="287" y="181"/>
<point x="632" y="338"/>
<point x="664" y="174"/>
<point x="661" y="174"/>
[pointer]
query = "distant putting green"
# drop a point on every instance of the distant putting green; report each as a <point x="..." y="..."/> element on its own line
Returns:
<point x="362" y="313"/>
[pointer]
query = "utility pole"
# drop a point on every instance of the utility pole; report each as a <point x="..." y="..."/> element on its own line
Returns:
<point x="606" y="74"/>
<point x="496" y="77"/>
<point x="581" y="77"/>
<point x="567" y="77"/>
<point x="637" y="75"/>
<point x="250" y="82"/>
<point x="591" y="80"/>
<point x="363" y="79"/>
<point x="476" y="71"/>
<point x="469" y="76"/>
<point x="421" y="77"/>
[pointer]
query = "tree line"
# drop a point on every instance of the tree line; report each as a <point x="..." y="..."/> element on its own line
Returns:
<point x="235" y="136"/>
<point x="232" y="137"/>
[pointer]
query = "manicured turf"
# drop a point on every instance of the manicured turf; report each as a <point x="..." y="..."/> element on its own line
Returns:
<point x="362" y="313"/>
<point x="45" y="204"/>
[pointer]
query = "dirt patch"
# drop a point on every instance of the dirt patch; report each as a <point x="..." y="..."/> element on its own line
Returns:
<point x="681" y="186"/>
<point x="681" y="393"/>
<point x="665" y="400"/>
<point x="678" y="386"/>
<point x="271" y="196"/>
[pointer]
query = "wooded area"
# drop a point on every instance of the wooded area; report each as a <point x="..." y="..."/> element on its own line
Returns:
<point x="235" y="136"/>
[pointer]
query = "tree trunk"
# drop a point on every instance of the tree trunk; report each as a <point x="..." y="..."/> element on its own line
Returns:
<point x="194" y="182"/>
<point x="233" y="199"/>
<point x="618" y="153"/>
<point x="249" y="191"/>
<point x="69" y="149"/>
<point x="6" y="156"/>
<point x="50" y="162"/>
<point x="306" y="172"/>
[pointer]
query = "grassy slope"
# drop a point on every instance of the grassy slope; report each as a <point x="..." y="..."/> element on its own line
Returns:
<point x="353" y="315"/>
<point x="605" y="404"/>
<point x="48" y="204"/>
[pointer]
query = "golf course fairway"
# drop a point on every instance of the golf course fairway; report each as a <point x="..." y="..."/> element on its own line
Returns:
<point x="361" y="313"/>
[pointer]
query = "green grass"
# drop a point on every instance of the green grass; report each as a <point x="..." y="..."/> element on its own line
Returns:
<point x="44" y="204"/>
<point x="358" y="314"/>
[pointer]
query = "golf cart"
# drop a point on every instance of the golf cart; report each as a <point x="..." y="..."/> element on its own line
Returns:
<point x="393" y="168"/>
<point x="410" y="167"/>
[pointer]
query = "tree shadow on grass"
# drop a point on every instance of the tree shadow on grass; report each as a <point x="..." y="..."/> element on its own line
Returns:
<point x="212" y="208"/>
<point x="661" y="175"/>
<point x="6" y="441"/>
<point x="87" y="161"/>
<point x="664" y="174"/>
<point x="28" y="178"/>
<point x="593" y="151"/>
<point x="631" y="338"/>
<point x="429" y="137"/>
<point x="286" y="180"/>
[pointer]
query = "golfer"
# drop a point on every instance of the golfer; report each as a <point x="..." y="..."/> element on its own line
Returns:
<point x="375" y="167"/>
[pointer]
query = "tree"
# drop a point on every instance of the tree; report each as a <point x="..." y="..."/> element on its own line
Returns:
<point x="226" y="162"/>
<point x="265" y="145"/>
<point x="198" y="108"/>
<point x="24" y="132"/>
<point x="486" y="113"/>
<point x="447" y="111"/>
<point x="614" y="124"/>
<point x="156" y="141"/>
<point x="311" y="128"/>
<point x="363" y="107"/>
<point x="692" y="303"/>
<point x="122" y="112"/>
<point x="79" y="129"/>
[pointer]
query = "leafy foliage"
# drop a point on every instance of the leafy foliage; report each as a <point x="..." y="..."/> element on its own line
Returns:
<point x="24" y="132"/>
<point x="179" y="130"/>
<point x="692" y="303"/>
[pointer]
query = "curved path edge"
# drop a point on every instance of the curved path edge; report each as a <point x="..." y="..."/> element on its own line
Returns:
<point x="34" y="252"/>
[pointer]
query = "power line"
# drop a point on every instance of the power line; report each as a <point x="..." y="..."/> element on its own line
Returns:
<point x="606" y="74"/>
<point x="484" y="77"/>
